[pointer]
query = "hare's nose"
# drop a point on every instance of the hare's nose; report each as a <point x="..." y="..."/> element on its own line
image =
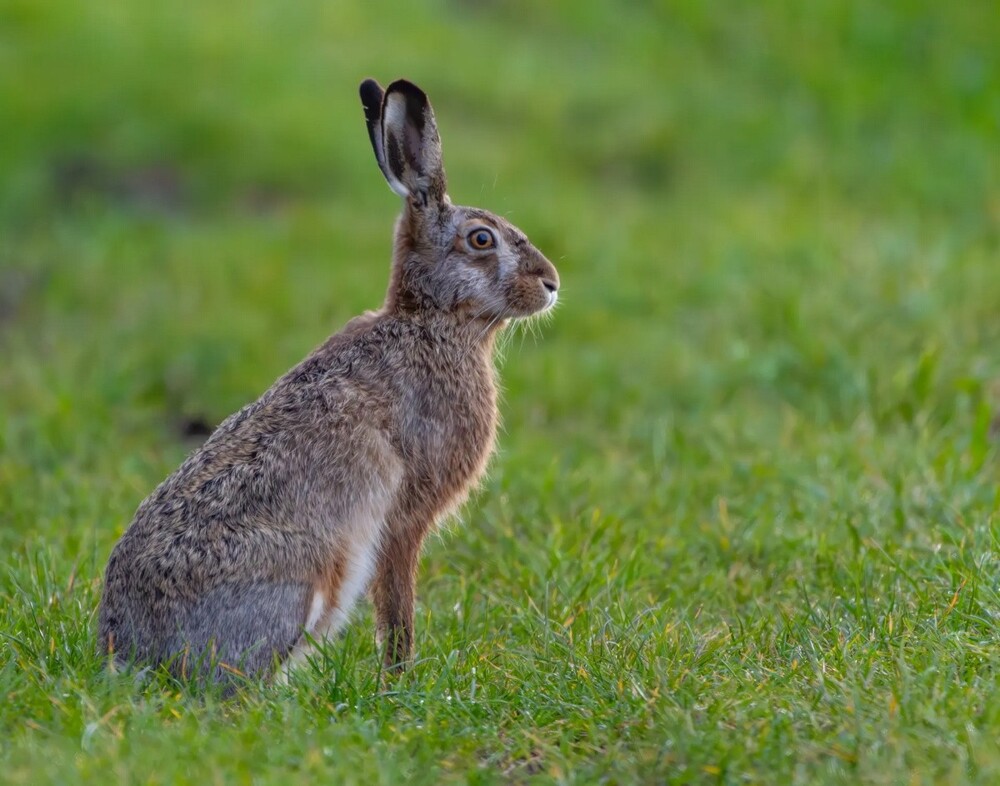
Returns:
<point x="550" y="285"/>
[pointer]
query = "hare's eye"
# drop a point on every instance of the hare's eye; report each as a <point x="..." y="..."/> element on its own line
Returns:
<point x="481" y="239"/>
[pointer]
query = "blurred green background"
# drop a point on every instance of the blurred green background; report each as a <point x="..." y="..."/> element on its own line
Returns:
<point x="754" y="439"/>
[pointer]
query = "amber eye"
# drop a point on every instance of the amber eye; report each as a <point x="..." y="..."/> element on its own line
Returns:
<point x="481" y="239"/>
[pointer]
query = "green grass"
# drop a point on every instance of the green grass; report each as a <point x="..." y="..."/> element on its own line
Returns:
<point x="743" y="524"/>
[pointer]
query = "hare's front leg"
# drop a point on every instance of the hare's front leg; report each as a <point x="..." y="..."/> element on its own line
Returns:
<point x="392" y="595"/>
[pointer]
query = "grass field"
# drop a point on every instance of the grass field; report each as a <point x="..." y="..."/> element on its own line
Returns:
<point x="743" y="524"/>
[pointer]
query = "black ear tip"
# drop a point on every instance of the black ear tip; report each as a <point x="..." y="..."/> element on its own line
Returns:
<point x="407" y="88"/>
<point x="371" y="93"/>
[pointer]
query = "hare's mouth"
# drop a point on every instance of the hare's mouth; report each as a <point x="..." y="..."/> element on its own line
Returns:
<point x="551" y="296"/>
<point x="537" y="309"/>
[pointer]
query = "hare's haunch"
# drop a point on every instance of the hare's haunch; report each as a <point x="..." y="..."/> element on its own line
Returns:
<point x="326" y="486"/>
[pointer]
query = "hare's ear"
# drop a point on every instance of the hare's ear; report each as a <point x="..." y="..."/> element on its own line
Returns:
<point x="371" y="100"/>
<point x="411" y="147"/>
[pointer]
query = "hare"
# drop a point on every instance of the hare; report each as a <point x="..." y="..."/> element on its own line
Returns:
<point x="326" y="486"/>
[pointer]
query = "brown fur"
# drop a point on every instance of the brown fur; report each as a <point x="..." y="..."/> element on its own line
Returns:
<point x="353" y="455"/>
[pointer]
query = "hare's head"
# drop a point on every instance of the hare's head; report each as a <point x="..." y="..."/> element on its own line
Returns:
<point x="461" y="261"/>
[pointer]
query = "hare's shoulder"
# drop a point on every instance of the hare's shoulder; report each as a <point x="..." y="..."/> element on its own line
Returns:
<point x="257" y="457"/>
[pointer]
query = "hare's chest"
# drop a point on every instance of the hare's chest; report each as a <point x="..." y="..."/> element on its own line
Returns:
<point x="449" y="437"/>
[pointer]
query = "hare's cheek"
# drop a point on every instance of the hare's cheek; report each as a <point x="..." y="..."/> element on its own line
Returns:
<point x="478" y="285"/>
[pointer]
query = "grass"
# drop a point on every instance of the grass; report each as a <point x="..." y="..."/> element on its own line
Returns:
<point x="743" y="524"/>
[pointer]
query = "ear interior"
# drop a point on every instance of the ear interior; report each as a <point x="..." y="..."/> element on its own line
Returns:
<point x="411" y="146"/>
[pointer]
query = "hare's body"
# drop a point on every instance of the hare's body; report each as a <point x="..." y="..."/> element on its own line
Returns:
<point x="230" y="522"/>
<point x="268" y="534"/>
